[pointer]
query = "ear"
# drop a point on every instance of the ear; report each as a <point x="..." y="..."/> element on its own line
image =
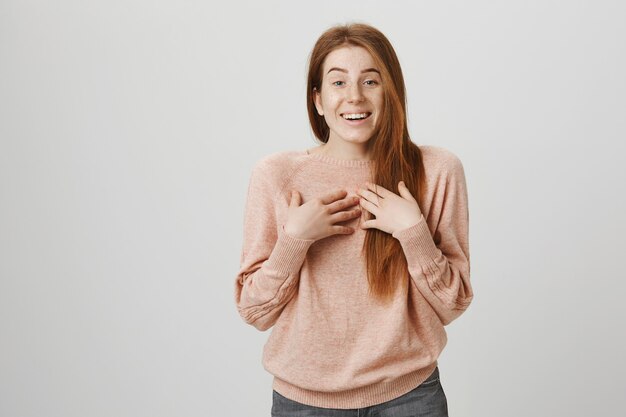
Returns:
<point x="318" y="101"/>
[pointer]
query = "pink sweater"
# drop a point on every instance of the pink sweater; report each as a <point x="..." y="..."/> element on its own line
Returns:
<point x="332" y="345"/>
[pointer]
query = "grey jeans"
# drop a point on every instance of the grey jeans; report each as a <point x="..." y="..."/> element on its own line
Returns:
<point x="426" y="400"/>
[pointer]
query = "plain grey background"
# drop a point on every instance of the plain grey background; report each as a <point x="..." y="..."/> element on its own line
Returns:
<point x="128" y="131"/>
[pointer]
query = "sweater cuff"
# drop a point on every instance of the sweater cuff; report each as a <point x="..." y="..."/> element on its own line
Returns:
<point x="417" y="243"/>
<point x="288" y="254"/>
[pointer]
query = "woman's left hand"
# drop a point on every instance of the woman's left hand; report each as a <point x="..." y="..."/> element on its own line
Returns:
<point x="393" y="212"/>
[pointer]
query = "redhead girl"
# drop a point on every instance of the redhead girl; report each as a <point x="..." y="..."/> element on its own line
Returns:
<point x="356" y="251"/>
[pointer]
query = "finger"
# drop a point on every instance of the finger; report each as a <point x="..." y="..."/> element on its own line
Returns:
<point x="367" y="224"/>
<point x="379" y="189"/>
<point x="370" y="196"/>
<point x="343" y="230"/>
<point x="296" y="199"/>
<point x="333" y="196"/>
<point x="342" y="204"/>
<point x="404" y="191"/>
<point x="369" y="207"/>
<point x="343" y="216"/>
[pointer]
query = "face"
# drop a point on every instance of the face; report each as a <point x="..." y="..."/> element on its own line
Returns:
<point x="351" y="84"/>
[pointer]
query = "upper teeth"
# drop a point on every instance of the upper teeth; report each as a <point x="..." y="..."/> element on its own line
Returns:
<point x="354" y="115"/>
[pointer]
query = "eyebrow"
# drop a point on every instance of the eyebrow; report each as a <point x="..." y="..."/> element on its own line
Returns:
<point x="344" y="70"/>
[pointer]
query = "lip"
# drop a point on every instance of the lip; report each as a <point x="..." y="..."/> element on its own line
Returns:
<point x="355" y="112"/>
<point x="356" y="122"/>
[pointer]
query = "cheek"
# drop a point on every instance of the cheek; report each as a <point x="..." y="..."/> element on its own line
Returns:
<point x="330" y="100"/>
<point x="378" y="99"/>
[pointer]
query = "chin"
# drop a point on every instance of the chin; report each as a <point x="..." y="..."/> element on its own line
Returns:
<point x="360" y="140"/>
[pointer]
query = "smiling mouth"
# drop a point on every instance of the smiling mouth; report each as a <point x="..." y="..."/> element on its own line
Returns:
<point x="356" y="116"/>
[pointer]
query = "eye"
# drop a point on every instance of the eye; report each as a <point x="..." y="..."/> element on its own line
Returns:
<point x="335" y="83"/>
<point x="371" y="81"/>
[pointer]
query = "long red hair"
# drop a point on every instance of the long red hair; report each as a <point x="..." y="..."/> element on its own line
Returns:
<point x="394" y="156"/>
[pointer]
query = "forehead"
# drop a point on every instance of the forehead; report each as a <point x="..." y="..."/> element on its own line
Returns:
<point x="352" y="58"/>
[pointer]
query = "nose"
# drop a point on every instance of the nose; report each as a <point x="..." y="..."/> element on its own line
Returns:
<point x="355" y="94"/>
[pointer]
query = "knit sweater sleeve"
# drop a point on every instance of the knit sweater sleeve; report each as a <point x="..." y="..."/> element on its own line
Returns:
<point x="270" y="258"/>
<point x="441" y="270"/>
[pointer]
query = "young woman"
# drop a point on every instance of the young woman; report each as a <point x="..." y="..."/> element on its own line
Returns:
<point x="356" y="251"/>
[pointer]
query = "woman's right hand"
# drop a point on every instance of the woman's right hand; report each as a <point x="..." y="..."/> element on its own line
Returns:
<point x="316" y="218"/>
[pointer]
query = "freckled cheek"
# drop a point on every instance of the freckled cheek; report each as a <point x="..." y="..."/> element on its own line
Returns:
<point x="332" y="103"/>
